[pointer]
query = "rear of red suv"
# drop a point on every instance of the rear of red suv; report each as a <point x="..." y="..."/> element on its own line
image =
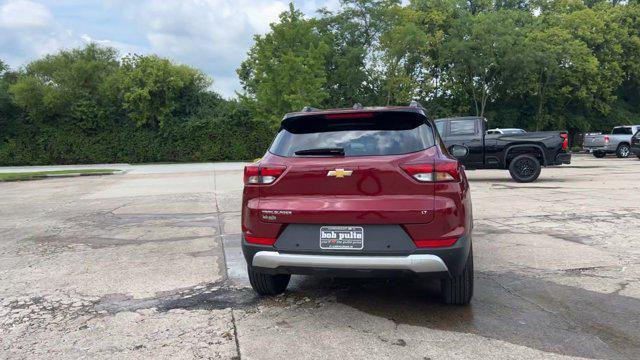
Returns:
<point x="358" y="192"/>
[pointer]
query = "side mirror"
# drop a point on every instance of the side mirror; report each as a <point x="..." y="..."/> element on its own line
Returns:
<point x="459" y="151"/>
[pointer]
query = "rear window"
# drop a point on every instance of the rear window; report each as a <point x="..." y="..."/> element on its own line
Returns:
<point x="381" y="134"/>
<point x="621" y="131"/>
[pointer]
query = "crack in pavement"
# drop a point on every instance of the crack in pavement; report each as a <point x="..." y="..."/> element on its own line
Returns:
<point x="220" y="295"/>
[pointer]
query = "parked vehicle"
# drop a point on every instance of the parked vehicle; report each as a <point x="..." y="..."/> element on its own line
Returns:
<point x="635" y="144"/>
<point x="618" y="142"/>
<point x="509" y="131"/>
<point x="358" y="192"/>
<point x="522" y="154"/>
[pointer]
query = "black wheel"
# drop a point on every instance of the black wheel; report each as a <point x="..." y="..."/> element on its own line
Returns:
<point x="599" y="154"/>
<point x="458" y="290"/>
<point x="623" y="151"/>
<point x="267" y="284"/>
<point x="524" y="168"/>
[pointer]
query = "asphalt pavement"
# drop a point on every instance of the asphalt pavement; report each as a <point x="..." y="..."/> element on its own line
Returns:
<point x="147" y="264"/>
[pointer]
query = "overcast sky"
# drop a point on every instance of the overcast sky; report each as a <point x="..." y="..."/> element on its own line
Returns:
<point x="212" y="35"/>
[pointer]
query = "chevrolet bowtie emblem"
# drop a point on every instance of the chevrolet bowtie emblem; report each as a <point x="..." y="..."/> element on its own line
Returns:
<point x="340" y="173"/>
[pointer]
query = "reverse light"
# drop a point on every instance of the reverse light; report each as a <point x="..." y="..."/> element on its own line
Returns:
<point x="420" y="172"/>
<point x="259" y="175"/>
<point x="430" y="243"/>
<point x="440" y="172"/>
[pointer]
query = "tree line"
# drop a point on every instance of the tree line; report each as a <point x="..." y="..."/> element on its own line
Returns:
<point x="533" y="64"/>
<point x="90" y="106"/>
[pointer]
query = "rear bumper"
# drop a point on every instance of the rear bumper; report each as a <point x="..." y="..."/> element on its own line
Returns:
<point x="592" y="149"/>
<point x="422" y="262"/>
<point x="418" y="263"/>
<point x="563" y="158"/>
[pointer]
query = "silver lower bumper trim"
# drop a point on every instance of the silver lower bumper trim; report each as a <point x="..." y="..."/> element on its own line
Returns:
<point x="418" y="263"/>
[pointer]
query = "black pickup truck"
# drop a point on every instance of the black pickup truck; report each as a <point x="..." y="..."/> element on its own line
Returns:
<point x="522" y="154"/>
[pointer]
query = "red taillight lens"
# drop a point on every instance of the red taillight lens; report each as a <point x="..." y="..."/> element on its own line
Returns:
<point x="606" y="139"/>
<point x="565" y="142"/>
<point x="260" y="240"/>
<point x="251" y="174"/>
<point x="427" y="243"/>
<point x="440" y="172"/>
<point x="269" y="174"/>
<point x="447" y="171"/>
<point x="420" y="172"/>
<point x="256" y="175"/>
<point x="358" y="115"/>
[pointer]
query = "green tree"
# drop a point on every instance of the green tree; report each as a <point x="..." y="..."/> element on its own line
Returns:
<point x="8" y="110"/>
<point x="155" y="90"/>
<point x="483" y="55"/>
<point x="355" y="52"/>
<point x="575" y="67"/>
<point x="286" y="68"/>
<point x="68" y="87"/>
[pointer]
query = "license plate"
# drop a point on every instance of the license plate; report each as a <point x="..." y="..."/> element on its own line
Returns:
<point x="341" y="238"/>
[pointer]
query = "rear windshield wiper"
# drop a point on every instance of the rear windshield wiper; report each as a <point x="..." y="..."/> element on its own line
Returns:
<point x="322" y="151"/>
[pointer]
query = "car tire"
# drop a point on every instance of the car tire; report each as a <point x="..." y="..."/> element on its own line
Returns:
<point x="267" y="284"/>
<point x="458" y="290"/>
<point x="524" y="168"/>
<point x="623" y="151"/>
<point x="599" y="154"/>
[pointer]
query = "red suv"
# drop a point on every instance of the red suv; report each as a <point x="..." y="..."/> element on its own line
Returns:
<point x="358" y="192"/>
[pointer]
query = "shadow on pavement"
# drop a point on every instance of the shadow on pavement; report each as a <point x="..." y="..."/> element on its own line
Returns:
<point x="540" y="180"/>
<point x="521" y="310"/>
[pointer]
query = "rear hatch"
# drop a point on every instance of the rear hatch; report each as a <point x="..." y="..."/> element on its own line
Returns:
<point x="347" y="169"/>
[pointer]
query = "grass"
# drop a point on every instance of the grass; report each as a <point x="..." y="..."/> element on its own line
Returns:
<point x="22" y="176"/>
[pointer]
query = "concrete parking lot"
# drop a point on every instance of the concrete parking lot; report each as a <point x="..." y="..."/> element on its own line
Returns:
<point x="147" y="264"/>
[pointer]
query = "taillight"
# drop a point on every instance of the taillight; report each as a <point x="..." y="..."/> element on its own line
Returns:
<point x="420" y="172"/>
<point x="257" y="175"/>
<point x="441" y="171"/>
<point x="251" y="174"/>
<point x="565" y="142"/>
<point x="606" y="139"/>
<point x="269" y="174"/>
<point x="447" y="171"/>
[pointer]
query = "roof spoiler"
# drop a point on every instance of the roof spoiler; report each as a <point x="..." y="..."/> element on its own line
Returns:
<point x="358" y="106"/>
<point x="416" y="104"/>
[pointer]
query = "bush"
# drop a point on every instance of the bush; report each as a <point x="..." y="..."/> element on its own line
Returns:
<point x="87" y="106"/>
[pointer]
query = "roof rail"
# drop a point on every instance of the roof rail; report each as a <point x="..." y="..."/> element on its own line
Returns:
<point x="308" y="109"/>
<point x="415" y="103"/>
<point x="357" y="106"/>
